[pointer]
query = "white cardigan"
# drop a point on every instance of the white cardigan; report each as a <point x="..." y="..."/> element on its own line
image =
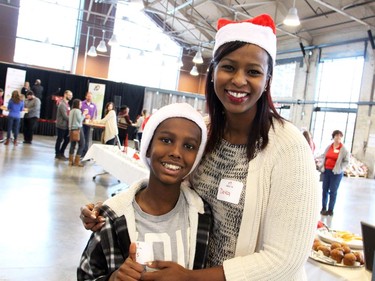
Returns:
<point x="110" y="122"/>
<point x="280" y="213"/>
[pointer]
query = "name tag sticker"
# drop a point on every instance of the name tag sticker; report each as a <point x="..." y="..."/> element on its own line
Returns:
<point x="229" y="191"/>
<point x="144" y="252"/>
<point x="336" y="151"/>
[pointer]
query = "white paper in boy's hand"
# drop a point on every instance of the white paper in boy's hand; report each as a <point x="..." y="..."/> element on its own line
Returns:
<point x="144" y="252"/>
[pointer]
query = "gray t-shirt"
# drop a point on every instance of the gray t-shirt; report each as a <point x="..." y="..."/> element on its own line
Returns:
<point x="169" y="233"/>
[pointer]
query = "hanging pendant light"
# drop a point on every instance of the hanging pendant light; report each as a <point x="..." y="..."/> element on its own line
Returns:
<point x="158" y="49"/>
<point x="194" y="71"/>
<point x="198" y="57"/>
<point x="92" y="52"/>
<point x="292" y="18"/>
<point x="113" y="41"/>
<point x="179" y="62"/>
<point x="102" y="46"/>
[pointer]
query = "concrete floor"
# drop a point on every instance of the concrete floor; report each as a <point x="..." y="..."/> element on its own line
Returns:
<point x="41" y="235"/>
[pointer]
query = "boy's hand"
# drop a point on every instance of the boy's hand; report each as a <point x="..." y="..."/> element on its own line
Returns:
<point x="130" y="270"/>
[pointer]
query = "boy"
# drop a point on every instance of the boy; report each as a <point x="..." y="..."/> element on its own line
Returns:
<point x="162" y="210"/>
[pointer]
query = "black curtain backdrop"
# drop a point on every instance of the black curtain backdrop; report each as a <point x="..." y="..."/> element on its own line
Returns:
<point x="55" y="83"/>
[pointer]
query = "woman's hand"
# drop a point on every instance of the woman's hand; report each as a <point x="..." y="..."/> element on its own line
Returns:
<point x="90" y="217"/>
<point x="167" y="271"/>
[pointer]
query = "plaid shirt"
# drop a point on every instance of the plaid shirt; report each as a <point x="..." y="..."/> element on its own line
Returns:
<point x="108" y="248"/>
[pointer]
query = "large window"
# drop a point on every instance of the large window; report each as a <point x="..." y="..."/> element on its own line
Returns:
<point x="337" y="93"/>
<point x="136" y="60"/>
<point x="46" y="33"/>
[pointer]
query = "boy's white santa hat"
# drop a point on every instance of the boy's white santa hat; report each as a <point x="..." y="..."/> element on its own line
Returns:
<point x="183" y="110"/>
<point x="260" y="31"/>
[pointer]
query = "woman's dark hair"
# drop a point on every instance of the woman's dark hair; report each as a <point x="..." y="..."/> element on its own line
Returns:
<point x="76" y="103"/>
<point x="258" y="137"/>
<point x="16" y="98"/>
<point x="106" y="107"/>
<point x="337" y="132"/>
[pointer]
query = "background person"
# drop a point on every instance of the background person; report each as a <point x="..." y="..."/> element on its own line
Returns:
<point x="334" y="159"/>
<point x="110" y="122"/>
<point x="258" y="173"/>
<point x="30" y="121"/>
<point x="162" y="207"/>
<point x="123" y="123"/>
<point x="62" y="126"/>
<point x="38" y="89"/>
<point x="139" y="124"/>
<point x="88" y="105"/>
<point x="25" y="88"/>
<point x="76" y="118"/>
<point x="15" y="107"/>
<point x="1" y="113"/>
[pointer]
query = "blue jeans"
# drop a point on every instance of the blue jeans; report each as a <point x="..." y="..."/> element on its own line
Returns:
<point x="86" y="132"/>
<point x="331" y="183"/>
<point x="13" y="126"/>
<point x="81" y="144"/>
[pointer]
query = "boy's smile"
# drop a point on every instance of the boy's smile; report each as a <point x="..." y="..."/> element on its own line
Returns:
<point x="173" y="150"/>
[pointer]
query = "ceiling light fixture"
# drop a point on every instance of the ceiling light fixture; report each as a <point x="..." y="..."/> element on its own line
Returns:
<point x="102" y="46"/>
<point x="113" y="41"/>
<point x="292" y="18"/>
<point x="92" y="52"/>
<point x="179" y="62"/>
<point x="194" y="71"/>
<point x="198" y="57"/>
<point x="158" y="49"/>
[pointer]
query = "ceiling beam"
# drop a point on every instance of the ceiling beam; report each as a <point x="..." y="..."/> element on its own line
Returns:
<point x="89" y="10"/>
<point x="342" y="13"/>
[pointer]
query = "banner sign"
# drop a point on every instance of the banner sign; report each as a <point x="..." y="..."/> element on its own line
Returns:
<point x="98" y="92"/>
<point x="15" y="80"/>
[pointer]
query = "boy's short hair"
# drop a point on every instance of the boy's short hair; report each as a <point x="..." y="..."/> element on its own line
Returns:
<point x="174" y="110"/>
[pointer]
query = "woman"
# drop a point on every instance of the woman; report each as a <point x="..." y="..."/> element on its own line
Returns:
<point x="335" y="158"/>
<point x="76" y="118"/>
<point x="15" y="107"/>
<point x="123" y="123"/>
<point x="140" y="124"/>
<point x="110" y="122"/>
<point x="258" y="172"/>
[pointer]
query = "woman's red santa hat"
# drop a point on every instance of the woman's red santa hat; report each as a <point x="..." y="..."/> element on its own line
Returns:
<point x="260" y="31"/>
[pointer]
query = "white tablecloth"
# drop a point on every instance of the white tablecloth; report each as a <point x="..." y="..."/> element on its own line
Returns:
<point x="118" y="163"/>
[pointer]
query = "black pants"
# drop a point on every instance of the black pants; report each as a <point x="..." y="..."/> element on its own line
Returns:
<point x="62" y="137"/>
<point x="29" y="125"/>
<point x="86" y="133"/>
